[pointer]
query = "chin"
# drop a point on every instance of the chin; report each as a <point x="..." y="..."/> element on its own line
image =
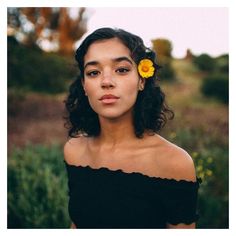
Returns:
<point x="113" y="115"/>
<point x="110" y="116"/>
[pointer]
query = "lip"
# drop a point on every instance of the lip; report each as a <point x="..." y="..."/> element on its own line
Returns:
<point x="108" y="96"/>
<point x="108" y="99"/>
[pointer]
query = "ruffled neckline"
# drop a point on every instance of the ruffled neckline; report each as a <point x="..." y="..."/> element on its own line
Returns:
<point x="120" y="172"/>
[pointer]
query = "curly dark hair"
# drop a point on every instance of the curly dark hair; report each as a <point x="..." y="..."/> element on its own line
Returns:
<point x="150" y="111"/>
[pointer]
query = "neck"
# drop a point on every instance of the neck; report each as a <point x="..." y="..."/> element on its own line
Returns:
<point x="115" y="132"/>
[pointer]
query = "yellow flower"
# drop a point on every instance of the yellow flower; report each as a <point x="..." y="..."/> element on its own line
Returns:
<point x="208" y="172"/>
<point x="173" y="135"/>
<point x="146" y="68"/>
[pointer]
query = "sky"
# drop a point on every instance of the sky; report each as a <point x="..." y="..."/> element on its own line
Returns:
<point x="200" y="29"/>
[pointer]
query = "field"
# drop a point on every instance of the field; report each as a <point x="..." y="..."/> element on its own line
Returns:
<point x="35" y="129"/>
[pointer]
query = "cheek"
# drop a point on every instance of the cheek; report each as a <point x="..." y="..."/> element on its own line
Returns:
<point x="90" y="91"/>
<point x="89" y="88"/>
<point x="129" y="95"/>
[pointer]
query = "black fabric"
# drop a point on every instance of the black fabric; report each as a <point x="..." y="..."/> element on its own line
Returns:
<point x="103" y="198"/>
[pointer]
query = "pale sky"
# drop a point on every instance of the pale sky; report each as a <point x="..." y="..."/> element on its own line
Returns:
<point x="203" y="30"/>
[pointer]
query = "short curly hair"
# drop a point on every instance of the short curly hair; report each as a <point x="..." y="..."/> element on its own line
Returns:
<point x="150" y="111"/>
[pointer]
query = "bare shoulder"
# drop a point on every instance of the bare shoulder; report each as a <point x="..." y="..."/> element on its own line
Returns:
<point x="172" y="161"/>
<point x="74" y="149"/>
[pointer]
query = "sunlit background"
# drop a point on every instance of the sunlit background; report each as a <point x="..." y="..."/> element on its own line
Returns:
<point x="192" y="47"/>
<point x="203" y="30"/>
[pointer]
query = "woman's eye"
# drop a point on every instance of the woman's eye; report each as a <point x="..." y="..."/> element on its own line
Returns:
<point x="93" y="73"/>
<point x="123" y="70"/>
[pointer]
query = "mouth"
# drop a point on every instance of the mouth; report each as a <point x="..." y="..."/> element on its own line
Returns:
<point x="108" y="99"/>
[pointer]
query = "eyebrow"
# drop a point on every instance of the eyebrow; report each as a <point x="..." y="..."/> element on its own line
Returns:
<point x="118" y="59"/>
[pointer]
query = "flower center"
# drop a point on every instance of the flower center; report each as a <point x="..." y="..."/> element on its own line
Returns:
<point x="145" y="69"/>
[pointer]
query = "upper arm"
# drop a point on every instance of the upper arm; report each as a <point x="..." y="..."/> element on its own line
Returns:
<point x="73" y="149"/>
<point x="181" y="165"/>
<point x="72" y="226"/>
<point x="68" y="151"/>
<point x="180" y="202"/>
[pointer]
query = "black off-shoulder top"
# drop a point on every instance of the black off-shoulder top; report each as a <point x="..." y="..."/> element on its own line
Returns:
<point x="104" y="198"/>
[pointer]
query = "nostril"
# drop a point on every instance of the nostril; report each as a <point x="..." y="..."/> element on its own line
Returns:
<point x="107" y="83"/>
<point x="107" y="86"/>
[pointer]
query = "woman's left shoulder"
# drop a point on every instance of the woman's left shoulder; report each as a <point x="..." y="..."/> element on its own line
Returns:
<point x="172" y="161"/>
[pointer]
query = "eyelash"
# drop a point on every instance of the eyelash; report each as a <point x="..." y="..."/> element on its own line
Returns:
<point x="124" y="70"/>
<point x="121" y="70"/>
<point x="91" y="73"/>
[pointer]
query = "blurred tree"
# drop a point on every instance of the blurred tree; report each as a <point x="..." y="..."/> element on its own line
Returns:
<point x="223" y="63"/>
<point x="204" y="62"/>
<point x="189" y="55"/>
<point x="163" y="49"/>
<point x="30" y="69"/>
<point x="216" y="85"/>
<point x="52" y="29"/>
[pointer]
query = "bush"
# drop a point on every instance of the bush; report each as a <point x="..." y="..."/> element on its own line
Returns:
<point x="223" y="63"/>
<point x="37" y="188"/>
<point x="163" y="49"/>
<point x="166" y="73"/>
<point x="204" y="62"/>
<point x="216" y="86"/>
<point x="213" y="195"/>
<point x="32" y="69"/>
<point x="212" y="166"/>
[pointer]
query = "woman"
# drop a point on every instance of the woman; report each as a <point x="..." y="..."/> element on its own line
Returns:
<point x="121" y="173"/>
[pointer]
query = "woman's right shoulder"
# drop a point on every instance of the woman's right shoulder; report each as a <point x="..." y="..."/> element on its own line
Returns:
<point x="74" y="149"/>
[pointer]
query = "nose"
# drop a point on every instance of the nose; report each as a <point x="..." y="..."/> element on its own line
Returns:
<point x="107" y="81"/>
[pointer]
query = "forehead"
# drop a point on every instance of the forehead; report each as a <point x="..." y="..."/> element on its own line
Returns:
<point x="106" y="49"/>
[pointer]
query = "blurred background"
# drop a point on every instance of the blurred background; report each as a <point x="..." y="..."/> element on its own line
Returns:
<point x="192" y="47"/>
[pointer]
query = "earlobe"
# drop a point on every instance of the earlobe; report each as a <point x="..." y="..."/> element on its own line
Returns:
<point x="141" y="87"/>
<point x="141" y="84"/>
<point x="84" y="88"/>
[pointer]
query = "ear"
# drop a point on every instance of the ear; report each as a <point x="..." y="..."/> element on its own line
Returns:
<point x="82" y="82"/>
<point x="141" y="84"/>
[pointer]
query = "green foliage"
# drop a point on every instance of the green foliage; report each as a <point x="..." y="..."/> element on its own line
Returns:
<point x="216" y="82"/>
<point x="33" y="69"/>
<point x="204" y="62"/>
<point x="211" y="163"/>
<point x="163" y="49"/>
<point x="216" y="86"/>
<point x="213" y="195"/>
<point x="37" y="188"/>
<point x="166" y="73"/>
<point x="223" y="63"/>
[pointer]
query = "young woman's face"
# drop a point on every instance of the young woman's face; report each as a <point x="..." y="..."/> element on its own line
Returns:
<point x="111" y="80"/>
